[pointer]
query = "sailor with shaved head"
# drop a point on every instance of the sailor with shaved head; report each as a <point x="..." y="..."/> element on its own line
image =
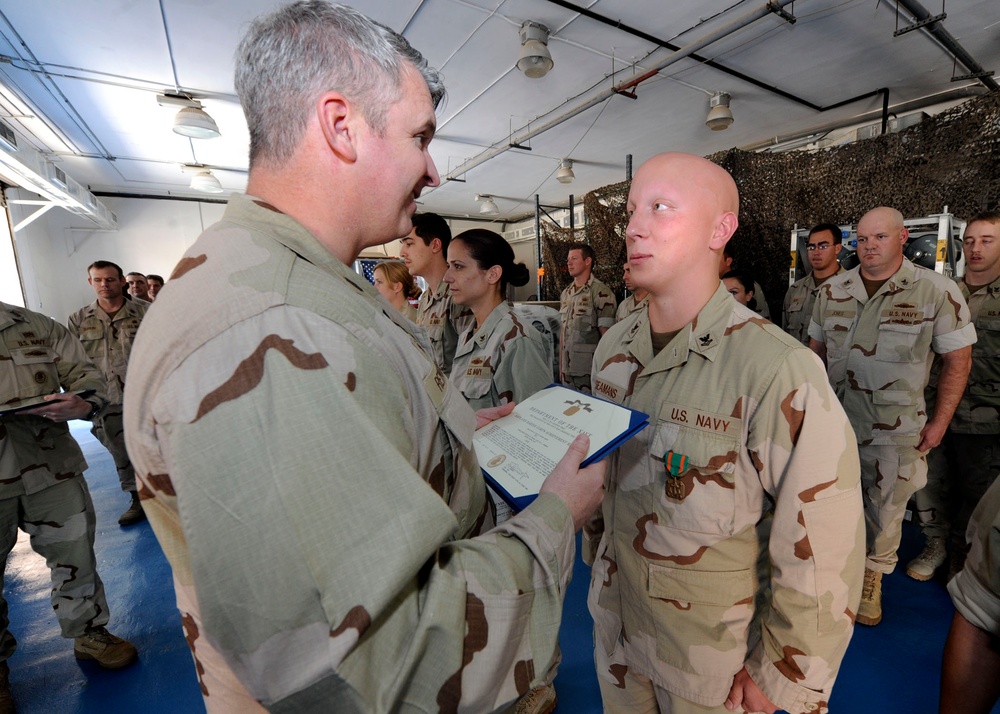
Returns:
<point x="877" y="327"/>
<point x="749" y="462"/>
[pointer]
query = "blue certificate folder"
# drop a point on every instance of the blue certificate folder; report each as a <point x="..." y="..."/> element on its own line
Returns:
<point x="518" y="451"/>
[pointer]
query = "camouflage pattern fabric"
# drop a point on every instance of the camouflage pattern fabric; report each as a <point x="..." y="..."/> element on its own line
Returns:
<point x="504" y="361"/>
<point x="742" y="417"/>
<point x="762" y="308"/>
<point x="583" y="311"/>
<point x="979" y="410"/>
<point x="109" y="429"/>
<point x="628" y="306"/>
<point x="39" y="356"/>
<point x="108" y="340"/>
<point x="890" y="474"/>
<point x="976" y="590"/>
<point x="965" y="464"/>
<point x="443" y="321"/>
<point x="42" y="489"/>
<point x="309" y="473"/>
<point x="879" y="350"/>
<point x="798" y="307"/>
<point x="61" y="524"/>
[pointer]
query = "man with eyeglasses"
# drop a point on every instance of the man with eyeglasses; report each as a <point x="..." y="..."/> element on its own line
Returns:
<point x="824" y="246"/>
<point x="877" y="328"/>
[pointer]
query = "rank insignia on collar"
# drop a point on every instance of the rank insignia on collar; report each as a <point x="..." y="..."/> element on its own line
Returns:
<point x="675" y="465"/>
<point x="705" y="340"/>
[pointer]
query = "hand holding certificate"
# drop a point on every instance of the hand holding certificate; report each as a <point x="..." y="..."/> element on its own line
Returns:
<point x="518" y="451"/>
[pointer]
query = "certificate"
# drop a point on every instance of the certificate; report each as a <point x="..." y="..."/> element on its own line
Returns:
<point x="517" y="452"/>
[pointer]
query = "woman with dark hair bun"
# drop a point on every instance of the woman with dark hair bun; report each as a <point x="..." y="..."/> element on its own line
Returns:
<point x="740" y="285"/>
<point x="499" y="358"/>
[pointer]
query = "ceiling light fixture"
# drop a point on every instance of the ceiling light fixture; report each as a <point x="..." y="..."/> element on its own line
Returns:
<point x="534" y="61"/>
<point x="206" y="182"/>
<point x="191" y="121"/>
<point x="720" y="116"/>
<point x="565" y="173"/>
<point x="488" y="207"/>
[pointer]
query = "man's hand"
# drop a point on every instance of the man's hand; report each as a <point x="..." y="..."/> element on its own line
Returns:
<point x="745" y="695"/>
<point x="931" y="436"/>
<point x="61" y="407"/>
<point x="582" y="490"/>
<point x="485" y="416"/>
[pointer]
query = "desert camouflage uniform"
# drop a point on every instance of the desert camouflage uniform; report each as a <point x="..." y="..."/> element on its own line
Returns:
<point x="504" y="361"/>
<point x="798" y="307"/>
<point x="968" y="460"/>
<point x="309" y="472"/>
<point x="628" y="306"/>
<point x="673" y="588"/>
<point x="583" y="311"/>
<point x="443" y="321"/>
<point x="879" y="353"/>
<point x="976" y="590"/>
<point x="42" y="489"/>
<point x="108" y="342"/>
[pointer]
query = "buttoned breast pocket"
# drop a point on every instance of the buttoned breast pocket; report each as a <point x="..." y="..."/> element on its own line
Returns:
<point x="796" y="304"/>
<point x="703" y="498"/>
<point x="901" y="343"/>
<point x="988" y="339"/>
<point x="836" y="331"/>
<point x="35" y="371"/>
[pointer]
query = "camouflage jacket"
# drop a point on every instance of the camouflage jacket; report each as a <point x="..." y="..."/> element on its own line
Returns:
<point x="798" y="306"/>
<point x="583" y="312"/>
<point x="309" y="472"/>
<point x="37" y="357"/>
<point x="628" y="306"/>
<point x="744" y="417"/>
<point x="504" y="361"/>
<point x="979" y="410"/>
<point x="443" y="321"/>
<point x="879" y="350"/>
<point x="108" y="340"/>
<point x="975" y="591"/>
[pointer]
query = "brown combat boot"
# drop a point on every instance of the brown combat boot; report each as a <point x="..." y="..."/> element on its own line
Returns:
<point x="107" y="650"/>
<point x="870" y="610"/>
<point x="540" y="700"/>
<point x="6" y="699"/>
<point x="134" y="514"/>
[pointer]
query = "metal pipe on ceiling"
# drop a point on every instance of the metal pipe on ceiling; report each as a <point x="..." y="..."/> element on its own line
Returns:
<point x="913" y="105"/>
<point x="937" y="30"/>
<point x="689" y="49"/>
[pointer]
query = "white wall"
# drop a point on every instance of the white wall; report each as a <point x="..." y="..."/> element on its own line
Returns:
<point x="55" y="250"/>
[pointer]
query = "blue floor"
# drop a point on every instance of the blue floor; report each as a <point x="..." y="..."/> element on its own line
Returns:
<point x="892" y="668"/>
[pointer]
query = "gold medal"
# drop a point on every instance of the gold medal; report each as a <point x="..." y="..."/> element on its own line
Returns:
<point x="675" y="465"/>
<point x="675" y="489"/>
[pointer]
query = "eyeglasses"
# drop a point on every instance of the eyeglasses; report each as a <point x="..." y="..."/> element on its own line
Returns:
<point x="818" y="246"/>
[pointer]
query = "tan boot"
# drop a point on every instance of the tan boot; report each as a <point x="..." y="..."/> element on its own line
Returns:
<point x="870" y="610"/>
<point x="924" y="565"/>
<point x="134" y="514"/>
<point x="107" y="650"/>
<point x="540" y="700"/>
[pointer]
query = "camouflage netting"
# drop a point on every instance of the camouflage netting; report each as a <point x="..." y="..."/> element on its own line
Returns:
<point x="952" y="159"/>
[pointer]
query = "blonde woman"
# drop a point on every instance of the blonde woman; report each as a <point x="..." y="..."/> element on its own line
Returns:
<point x="394" y="281"/>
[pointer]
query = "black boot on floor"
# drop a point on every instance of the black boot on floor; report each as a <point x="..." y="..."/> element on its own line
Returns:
<point x="134" y="514"/>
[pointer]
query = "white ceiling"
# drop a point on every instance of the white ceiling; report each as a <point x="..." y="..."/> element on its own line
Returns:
<point x="82" y="76"/>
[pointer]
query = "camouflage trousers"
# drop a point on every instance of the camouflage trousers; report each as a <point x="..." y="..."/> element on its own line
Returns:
<point x="110" y="431"/>
<point x="627" y="692"/>
<point x="579" y="382"/>
<point x="61" y="524"/>
<point x="890" y="474"/>
<point x="959" y="472"/>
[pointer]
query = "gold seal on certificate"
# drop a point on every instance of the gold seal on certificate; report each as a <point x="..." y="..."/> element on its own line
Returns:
<point x="517" y="452"/>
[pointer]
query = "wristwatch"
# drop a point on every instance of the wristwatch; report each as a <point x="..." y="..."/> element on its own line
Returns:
<point x="95" y="410"/>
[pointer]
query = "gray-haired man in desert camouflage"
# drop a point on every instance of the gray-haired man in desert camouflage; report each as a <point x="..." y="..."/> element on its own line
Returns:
<point x="746" y="436"/>
<point x="306" y="466"/>
<point x="877" y="327"/>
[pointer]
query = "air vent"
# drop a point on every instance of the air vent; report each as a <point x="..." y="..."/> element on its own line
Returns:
<point x="7" y="137"/>
<point x="58" y="177"/>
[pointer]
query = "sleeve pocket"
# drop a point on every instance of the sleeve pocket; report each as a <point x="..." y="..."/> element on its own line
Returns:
<point x="835" y="529"/>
